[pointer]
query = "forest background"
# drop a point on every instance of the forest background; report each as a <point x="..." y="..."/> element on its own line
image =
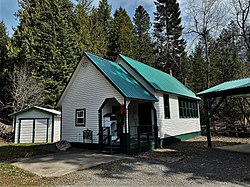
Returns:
<point x="38" y="59"/>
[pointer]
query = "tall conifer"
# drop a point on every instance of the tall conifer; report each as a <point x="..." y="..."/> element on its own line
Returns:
<point x="169" y="46"/>
<point x="44" y="41"/>
<point x="123" y="37"/>
<point x="5" y="65"/>
<point x="144" y="50"/>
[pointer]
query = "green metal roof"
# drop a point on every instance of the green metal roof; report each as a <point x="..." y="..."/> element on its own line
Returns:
<point x="228" y="86"/>
<point x="160" y="80"/>
<point x="123" y="81"/>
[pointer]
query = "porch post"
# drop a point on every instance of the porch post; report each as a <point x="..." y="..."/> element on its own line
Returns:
<point x="126" y="103"/>
<point x="209" y="144"/>
<point x="125" y="137"/>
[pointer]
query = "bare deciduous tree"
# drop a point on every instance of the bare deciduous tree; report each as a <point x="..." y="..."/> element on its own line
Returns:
<point x="242" y="11"/>
<point x="207" y="18"/>
<point x="26" y="91"/>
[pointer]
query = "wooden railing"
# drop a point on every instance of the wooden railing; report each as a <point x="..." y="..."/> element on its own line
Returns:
<point x="142" y="135"/>
<point x="108" y="137"/>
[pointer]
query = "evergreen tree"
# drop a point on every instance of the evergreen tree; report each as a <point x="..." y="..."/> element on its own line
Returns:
<point x="144" y="50"/>
<point x="98" y="37"/>
<point x="4" y="63"/>
<point x="44" y="41"/>
<point x="82" y="24"/>
<point x="104" y="11"/>
<point x="225" y="62"/>
<point x="123" y="37"/>
<point x="196" y="76"/>
<point x="169" y="47"/>
<point x="90" y="30"/>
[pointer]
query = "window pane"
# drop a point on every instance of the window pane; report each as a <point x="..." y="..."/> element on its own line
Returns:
<point x="189" y="109"/>
<point x="166" y="106"/>
<point x="184" y="109"/>
<point x="180" y="108"/>
<point x="80" y="113"/>
<point x="80" y="120"/>
<point x="192" y="109"/>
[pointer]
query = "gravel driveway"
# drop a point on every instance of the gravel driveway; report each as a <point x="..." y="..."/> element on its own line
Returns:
<point x="187" y="163"/>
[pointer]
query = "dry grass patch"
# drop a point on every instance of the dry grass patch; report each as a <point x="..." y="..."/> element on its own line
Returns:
<point x="13" y="176"/>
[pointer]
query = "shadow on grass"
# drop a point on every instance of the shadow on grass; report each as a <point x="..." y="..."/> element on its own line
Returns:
<point x="12" y="152"/>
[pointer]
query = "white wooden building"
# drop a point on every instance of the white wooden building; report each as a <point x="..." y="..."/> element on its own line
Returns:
<point x="126" y="103"/>
<point x="36" y="124"/>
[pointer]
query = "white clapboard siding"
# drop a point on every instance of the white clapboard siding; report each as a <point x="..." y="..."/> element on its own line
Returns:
<point x="40" y="134"/>
<point x="57" y="127"/>
<point x="88" y="89"/>
<point x="41" y="130"/>
<point x="175" y="125"/>
<point x="26" y="131"/>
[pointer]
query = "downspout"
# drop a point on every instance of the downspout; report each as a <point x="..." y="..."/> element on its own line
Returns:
<point x="61" y="123"/>
<point x="14" y="128"/>
<point x="52" y="128"/>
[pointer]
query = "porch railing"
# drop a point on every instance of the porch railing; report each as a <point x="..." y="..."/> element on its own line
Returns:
<point x="107" y="136"/>
<point x="142" y="136"/>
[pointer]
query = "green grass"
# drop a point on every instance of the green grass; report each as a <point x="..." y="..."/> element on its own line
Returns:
<point x="13" y="176"/>
<point x="12" y="152"/>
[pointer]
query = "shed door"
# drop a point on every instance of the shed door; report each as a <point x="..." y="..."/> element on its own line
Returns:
<point x="26" y="131"/>
<point x="40" y="130"/>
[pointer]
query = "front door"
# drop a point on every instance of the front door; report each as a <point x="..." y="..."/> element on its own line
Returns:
<point x="145" y="118"/>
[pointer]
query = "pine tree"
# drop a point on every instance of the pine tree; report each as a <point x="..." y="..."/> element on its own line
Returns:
<point x="44" y="41"/>
<point x="90" y="30"/>
<point x="196" y="76"/>
<point x="98" y="36"/>
<point x="144" y="50"/>
<point x="4" y="63"/>
<point x="104" y="11"/>
<point x="225" y="62"/>
<point x="169" y="46"/>
<point x="81" y="25"/>
<point x="123" y="37"/>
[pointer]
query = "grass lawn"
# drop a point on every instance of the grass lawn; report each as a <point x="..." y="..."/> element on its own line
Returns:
<point x="13" y="176"/>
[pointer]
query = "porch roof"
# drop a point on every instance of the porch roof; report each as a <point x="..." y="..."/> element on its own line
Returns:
<point x="121" y="79"/>
<point x="235" y="87"/>
<point x="159" y="80"/>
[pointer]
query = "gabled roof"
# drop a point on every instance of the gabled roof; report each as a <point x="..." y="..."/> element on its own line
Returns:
<point x="159" y="80"/>
<point x="51" y="111"/>
<point x="240" y="86"/>
<point x="121" y="79"/>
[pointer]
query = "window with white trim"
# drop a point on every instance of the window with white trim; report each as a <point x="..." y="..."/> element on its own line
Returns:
<point x="80" y="117"/>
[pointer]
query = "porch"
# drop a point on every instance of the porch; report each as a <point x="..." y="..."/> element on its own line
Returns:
<point x="130" y="127"/>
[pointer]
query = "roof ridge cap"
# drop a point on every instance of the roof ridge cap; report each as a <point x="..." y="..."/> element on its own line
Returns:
<point x="87" y="53"/>
<point x="146" y="64"/>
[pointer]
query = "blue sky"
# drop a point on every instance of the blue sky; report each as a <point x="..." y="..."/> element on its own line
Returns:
<point x="9" y="7"/>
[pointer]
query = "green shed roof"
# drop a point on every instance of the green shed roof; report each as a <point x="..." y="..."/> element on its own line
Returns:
<point x="123" y="81"/>
<point x="230" y="86"/>
<point x="159" y="80"/>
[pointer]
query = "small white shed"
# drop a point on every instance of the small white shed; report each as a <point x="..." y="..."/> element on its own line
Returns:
<point x="36" y="124"/>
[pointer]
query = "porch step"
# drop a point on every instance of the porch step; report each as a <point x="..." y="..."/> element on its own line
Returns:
<point x="107" y="150"/>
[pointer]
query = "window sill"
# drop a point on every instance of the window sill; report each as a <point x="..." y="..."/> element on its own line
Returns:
<point x="80" y="125"/>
